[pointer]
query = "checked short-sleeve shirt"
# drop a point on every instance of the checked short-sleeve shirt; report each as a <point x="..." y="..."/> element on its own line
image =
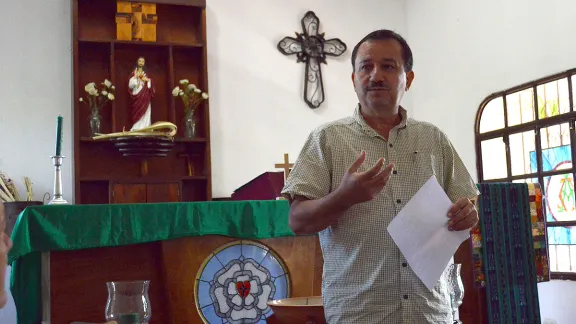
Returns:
<point x="366" y="279"/>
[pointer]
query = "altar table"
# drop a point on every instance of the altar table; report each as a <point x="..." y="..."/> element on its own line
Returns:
<point x="63" y="255"/>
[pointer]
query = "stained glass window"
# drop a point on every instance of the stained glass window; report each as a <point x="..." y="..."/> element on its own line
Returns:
<point x="528" y="139"/>
<point x="236" y="282"/>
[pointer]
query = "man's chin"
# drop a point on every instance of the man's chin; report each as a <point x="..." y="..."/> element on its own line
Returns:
<point x="379" y="104"/>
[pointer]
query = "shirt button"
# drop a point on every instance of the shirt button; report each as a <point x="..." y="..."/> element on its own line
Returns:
<point x="405" y="296"/>
<point x="390" y="145"/>
<point x="398" y="200"/>
<point x="394" y="172"/>
<point x="404" y="264"/>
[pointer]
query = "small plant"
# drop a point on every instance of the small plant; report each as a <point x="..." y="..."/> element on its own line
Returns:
<point x="191" y="96"/>
<point x="97" y="98"/>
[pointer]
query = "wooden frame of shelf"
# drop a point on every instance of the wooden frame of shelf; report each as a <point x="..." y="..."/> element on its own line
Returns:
<point x="179" y="52"/>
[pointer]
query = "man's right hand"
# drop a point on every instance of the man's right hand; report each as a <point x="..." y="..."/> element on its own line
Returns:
<point x="358" y="187"/>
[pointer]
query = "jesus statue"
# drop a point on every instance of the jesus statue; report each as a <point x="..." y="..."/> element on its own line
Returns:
<point x="141" y="91"/>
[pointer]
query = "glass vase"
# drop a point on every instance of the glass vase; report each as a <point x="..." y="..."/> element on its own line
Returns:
<point x="128" y="302"/>
<point x="95" y="121"/>
<point x="456" y="288"/>
<point x="190" y="125"/>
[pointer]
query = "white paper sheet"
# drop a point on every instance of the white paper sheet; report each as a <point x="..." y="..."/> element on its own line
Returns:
<point x="421" y="232"/>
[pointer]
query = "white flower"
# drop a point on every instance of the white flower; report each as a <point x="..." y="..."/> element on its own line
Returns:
<point x="110" y="96"/>
<point x="93" y="92"/>
<point x="181" y="93"/>
<point x="112" y="87"/>
<point x="90" y="86"/>
<point x="107" y="83"/>
<point x="176" y="91"/>
<point x="241" y="291"/>
<point x="184" y="81"/>
<point x="191" y="86"/>
<point x="205" y="95"/>
<point x="81" y="99"/>
<point x="197" y="90"/>
<point x="104" y="92"/>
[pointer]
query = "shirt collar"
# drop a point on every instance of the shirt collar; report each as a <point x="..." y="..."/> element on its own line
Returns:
<point x="360" y="120"/>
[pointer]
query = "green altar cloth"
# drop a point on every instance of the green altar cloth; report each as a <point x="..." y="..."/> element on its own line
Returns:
<point x="71" y="227"/>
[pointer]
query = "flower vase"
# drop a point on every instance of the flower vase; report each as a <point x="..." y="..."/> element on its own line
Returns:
<point x="128" y="302"/>
<point x="190" y="123"/>
<point x="95" y="121"/>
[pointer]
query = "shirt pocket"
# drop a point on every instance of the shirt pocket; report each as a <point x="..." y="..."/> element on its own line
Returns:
<point x="425" y="166"/>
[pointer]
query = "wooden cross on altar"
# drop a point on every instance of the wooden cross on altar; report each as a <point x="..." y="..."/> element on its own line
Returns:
<point x="311" y="48"/>
<point x="286" y="166"/>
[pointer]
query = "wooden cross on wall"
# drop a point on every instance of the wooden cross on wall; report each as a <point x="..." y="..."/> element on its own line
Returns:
<point x="311" y="48"/>
<point x="287" y="166"/>
<point x="136" y="21"/>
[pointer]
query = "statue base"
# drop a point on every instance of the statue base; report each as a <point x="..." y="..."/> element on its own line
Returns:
<point x="144" y="146"/>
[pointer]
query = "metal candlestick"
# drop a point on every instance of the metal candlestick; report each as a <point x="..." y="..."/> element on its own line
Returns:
<point x="57" y="196"/>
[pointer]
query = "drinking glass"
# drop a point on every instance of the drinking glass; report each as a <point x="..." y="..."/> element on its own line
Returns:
<point x="128" y="302"/>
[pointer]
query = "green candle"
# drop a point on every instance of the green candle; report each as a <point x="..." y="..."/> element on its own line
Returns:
<point x="59" y="136"/>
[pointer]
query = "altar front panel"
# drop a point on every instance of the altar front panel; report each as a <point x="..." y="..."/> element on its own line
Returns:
<point x="78" y="278"/>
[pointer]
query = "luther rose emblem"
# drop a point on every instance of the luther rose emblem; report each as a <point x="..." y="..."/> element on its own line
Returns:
<point x="237" y="281"/>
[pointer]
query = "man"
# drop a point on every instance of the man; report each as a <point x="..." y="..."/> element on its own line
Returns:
<point x="342" y="187"/>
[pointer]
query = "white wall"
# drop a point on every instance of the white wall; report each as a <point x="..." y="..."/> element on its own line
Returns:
<point x="35" y="67"/>
<point x="256" y="105"/>
<point x="466" y="50"/>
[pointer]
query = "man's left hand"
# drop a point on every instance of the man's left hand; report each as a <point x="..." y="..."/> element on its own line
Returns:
<point x="463" y="215"/>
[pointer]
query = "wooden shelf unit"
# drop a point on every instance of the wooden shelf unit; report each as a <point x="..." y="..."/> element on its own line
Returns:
<point x="100" y="170"/>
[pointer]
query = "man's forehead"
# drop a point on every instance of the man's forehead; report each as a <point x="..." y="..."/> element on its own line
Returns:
<point x="386" y="45"/>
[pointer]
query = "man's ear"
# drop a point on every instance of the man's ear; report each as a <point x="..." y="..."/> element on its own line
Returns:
<point x="409" y="79"/>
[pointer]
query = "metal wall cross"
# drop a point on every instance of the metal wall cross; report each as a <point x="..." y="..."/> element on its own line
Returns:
<point x="311" y="48"/>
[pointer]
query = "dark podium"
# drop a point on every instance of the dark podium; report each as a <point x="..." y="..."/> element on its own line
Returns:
<point x="266" y="186"/>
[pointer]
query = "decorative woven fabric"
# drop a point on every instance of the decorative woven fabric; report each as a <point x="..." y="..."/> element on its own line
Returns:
<point x="538" y="234"/>
<point x="511" y="221"/>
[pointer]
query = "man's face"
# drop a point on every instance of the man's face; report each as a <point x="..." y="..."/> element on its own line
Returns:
<point x="141" y="62"/>
<point x="379" y="78"/>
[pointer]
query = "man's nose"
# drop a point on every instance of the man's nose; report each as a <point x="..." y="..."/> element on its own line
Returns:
<point x="377" y="74"/>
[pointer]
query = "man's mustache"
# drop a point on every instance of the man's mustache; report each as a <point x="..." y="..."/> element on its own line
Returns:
<point x="377" y="86"/>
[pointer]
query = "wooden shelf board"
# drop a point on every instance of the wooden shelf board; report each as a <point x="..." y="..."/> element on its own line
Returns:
<point x="87" y="139"/>
<point x="188" y="178"/>
<point x="89" y="179"/>
<point x="154" y="179"/>
<point x="186" y="140"/>
<point x="158" y="44"/>
<point x="190" y="3"/>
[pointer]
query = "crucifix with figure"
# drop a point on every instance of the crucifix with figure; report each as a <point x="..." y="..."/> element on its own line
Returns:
<point x="311" y="48"/>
